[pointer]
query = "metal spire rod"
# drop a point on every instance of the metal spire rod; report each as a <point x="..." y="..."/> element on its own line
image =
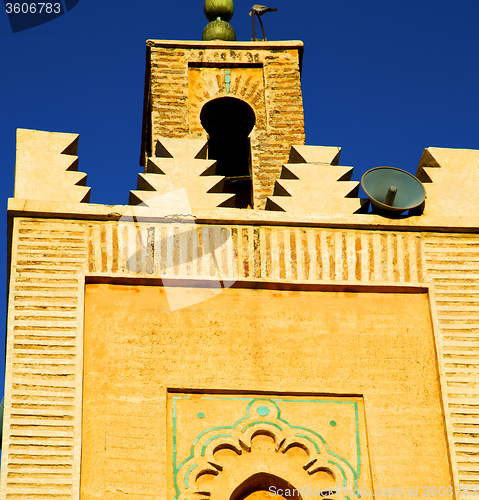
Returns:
<point x="262" y="27"/>
<point x="259" y="10"/>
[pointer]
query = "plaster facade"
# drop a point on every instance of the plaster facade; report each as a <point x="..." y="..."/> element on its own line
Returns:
<point x="141" y="338"/>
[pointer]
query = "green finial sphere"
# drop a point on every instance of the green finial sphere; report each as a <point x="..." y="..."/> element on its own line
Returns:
<point x="219" y="30"/>
<point x="223" y="9"/>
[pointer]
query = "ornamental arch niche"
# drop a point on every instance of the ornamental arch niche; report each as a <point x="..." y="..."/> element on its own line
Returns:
<point x="260" y="451"/>
<point x="229" y="122"/>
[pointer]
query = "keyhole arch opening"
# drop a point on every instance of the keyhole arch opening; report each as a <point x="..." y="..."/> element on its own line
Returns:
<point x="228" y="122"/>
<point x="273" y="486"/>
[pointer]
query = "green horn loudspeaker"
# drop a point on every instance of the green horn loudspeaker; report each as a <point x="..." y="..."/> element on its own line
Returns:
<point x="392" y="189"/>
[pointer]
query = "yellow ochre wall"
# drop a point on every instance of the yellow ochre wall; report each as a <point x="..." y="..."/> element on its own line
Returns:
<point x="375" y="347"/>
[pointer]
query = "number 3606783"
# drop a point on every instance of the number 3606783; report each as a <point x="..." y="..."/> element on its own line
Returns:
<point x="33" y="8"/>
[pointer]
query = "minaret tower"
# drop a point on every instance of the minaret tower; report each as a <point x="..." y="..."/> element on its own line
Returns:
<point x="244" y="98"/>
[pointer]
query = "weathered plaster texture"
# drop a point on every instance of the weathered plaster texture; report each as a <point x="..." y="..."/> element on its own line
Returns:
<point x="51" y="258"/>
<point x="46" y="167"/>
<point x="278" y="342"/>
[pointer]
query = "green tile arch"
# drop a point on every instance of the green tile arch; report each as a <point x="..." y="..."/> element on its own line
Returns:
<point x="348" y="464"/>
<point x="192" y="451"/>
<point x="274" y="401"/>
<point x="212" y="438"/>
<point x="345" y="481"/>
<point x="188" y="473"/>
<point x="263" y="399"/>
<point x="176" y="468"/>
<point x="261" y="422"/>
<point x="211" y="429"/>
<point x="252" y="400"/>
<point x="355" y="474"/>
<point x="307" y="430"/>
<point x="236" y="423"/>
<point x="356" y="414"/>
<point x="311" y="440"/>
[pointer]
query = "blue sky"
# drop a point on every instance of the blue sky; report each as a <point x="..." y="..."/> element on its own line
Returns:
<point x="382" y="79"/>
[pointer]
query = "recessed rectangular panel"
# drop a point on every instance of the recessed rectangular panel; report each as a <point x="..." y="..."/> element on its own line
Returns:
<point x="219" y="442"/>
<point x="293" y="349"/>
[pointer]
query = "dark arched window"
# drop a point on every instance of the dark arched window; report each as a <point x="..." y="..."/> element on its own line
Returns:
<point x="273" y="486"/>
<point x="229" y="122"/>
